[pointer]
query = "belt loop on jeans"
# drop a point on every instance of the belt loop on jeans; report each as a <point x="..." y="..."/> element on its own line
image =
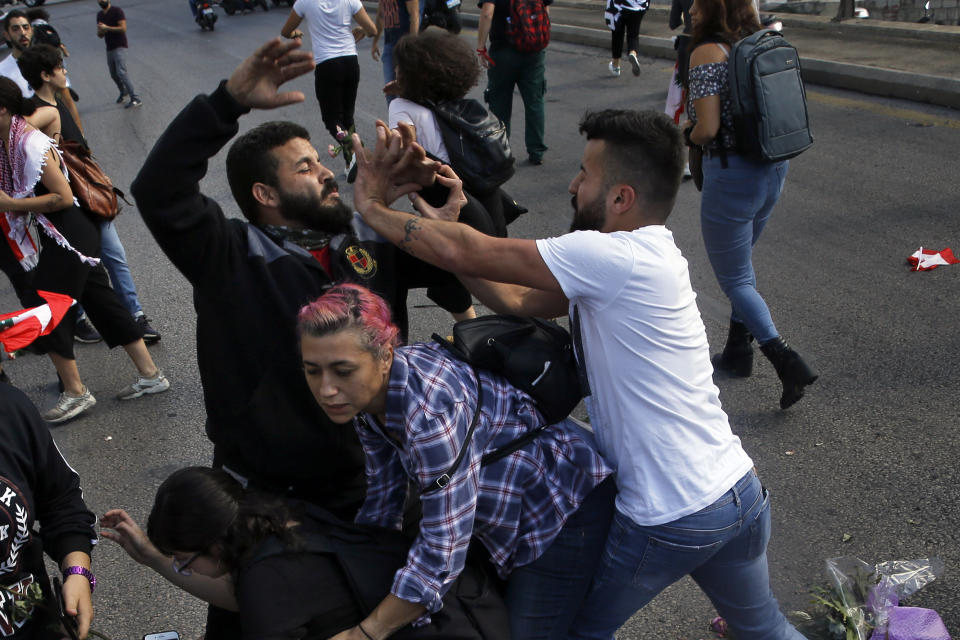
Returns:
<point x="736" y="497"/>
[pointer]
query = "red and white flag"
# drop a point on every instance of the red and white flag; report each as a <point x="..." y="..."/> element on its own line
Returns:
<point x="20" y="328"/>
<point x="927" y="259"/>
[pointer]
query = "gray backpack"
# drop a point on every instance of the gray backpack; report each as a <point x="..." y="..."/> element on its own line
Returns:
<point x="769" y="102"/>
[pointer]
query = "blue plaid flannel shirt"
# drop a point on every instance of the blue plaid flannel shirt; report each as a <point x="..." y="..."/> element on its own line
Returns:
<point x="515" y="506"/>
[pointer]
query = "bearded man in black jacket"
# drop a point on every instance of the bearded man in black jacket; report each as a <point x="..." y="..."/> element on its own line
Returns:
<point x="251" y="277"/>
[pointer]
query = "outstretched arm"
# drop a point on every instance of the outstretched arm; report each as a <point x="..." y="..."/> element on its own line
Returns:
<point x="189" y="227"/>
<point x="448" y="245"/>
<point x="118" y="526"/>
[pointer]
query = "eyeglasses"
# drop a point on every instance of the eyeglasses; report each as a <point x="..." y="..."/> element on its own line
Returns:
<point x="180" y="568"/>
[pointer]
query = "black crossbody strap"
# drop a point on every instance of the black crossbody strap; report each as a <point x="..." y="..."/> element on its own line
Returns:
<point x="488" y="458"/>
<point x="444" y="480"/>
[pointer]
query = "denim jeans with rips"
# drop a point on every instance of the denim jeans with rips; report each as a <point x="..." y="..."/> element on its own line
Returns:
<point x="723" y="547"/>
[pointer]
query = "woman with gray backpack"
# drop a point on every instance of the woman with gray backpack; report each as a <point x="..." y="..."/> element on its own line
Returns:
<point x="741" y="181"/>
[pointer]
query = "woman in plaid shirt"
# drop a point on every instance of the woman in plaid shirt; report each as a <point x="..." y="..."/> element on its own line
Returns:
<point x="542" y="512"/>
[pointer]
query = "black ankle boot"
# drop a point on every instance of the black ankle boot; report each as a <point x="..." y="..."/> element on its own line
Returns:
<point x="793" y="372"/>
<point x="737" y="356"/>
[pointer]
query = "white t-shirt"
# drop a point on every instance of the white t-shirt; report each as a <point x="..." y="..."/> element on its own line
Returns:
<point x="328" y="22"/>
<point x="428" y="131"/>
<point x="9" y="68"/>
<point x="654" y="408"/>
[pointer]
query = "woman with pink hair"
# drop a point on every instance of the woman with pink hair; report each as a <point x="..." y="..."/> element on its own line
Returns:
<point x="542" y="512"/>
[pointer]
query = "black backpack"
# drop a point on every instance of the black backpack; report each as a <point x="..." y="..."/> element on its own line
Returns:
<point x="768" y="99"/>
<point x="477" y="143"/>
<point x="533" y="354"/>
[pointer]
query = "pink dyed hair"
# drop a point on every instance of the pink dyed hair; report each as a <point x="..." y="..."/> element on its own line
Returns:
<point x="350" y="306"/>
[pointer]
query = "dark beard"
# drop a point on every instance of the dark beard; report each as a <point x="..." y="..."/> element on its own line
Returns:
<point x="311" y="213"/>
<point x="588" y="218"/>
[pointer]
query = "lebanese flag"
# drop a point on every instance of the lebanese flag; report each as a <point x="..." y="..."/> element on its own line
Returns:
<point x="927" y="259"/>
<point x="20" y="328"/>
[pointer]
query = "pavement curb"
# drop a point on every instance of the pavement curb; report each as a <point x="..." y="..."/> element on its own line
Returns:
<point x="876" y="30"/>
<point x="876" y="81"/>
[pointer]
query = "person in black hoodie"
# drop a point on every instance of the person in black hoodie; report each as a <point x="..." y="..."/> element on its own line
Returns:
<point x="37" y="485"/>
<point x="251" y="277"/>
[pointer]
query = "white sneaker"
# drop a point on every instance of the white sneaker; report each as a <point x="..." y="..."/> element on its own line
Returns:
<point x="613" y="70"/>
<point x="686" y="171"/>
<point x="69" y="406"/>
<point x="635" y="63"/>
<point x="143" y="386"/>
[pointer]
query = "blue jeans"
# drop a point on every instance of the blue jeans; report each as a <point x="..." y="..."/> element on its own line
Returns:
<point x="543" y="597"/>
<point x="386" y="58"/>
<point x="115" y="260"/>
<point x="723" y="547"/>
<point x="736" y="204"/>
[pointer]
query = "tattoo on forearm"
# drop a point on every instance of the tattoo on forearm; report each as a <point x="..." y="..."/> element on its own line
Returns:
<point x="410" y="229"/>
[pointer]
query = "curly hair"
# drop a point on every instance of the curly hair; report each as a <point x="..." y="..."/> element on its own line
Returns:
<point x="434" y="66"/>
<point x="731" y="20"/>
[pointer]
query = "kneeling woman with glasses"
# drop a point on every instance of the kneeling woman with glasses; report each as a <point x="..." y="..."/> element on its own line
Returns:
<point x="291" y="569"/>
<point x="542" y="512"/>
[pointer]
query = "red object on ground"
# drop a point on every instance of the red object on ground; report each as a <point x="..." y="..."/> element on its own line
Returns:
<point x="927" y="259"/>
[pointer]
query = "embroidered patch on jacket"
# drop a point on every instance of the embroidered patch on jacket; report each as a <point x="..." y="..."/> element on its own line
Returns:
<point x="361" y="261"/>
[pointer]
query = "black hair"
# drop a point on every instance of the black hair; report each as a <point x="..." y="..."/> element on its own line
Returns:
<point x="434" y="66"/>
<point x="249" y="161"/>
<point x="15" y="13"/>
<point x="643" y="149"/>
<point x="198" y="508"/>
<point x="38" y="59"/>
<point x="37" y="13"/>
<point x="12" y="98"/>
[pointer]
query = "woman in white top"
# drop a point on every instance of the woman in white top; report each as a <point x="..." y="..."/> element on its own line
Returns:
<point x="435" y="67"/>
<point x="335" y="51"/>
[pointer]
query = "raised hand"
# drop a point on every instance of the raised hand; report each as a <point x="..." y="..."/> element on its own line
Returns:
<point x="117" y="526"/>
<point x="455" y="198"/>
<point x="414" y="165"/>
<point x="256" y="82"/>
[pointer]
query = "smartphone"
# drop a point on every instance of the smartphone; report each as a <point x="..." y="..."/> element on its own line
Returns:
<point x="163" y="635"/>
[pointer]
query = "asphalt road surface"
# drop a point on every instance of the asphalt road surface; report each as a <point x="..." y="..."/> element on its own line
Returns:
<point x="868" y="457"/>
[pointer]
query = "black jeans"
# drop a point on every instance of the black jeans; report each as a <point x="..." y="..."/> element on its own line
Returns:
<point x="335" y="82"/>
<point x="629" y="23"/>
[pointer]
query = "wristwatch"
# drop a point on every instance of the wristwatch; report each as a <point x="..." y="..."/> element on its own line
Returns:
<point x="77" y="570"/>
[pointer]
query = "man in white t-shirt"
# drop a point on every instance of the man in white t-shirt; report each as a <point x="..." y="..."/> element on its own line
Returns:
<point x="689" y="501"/>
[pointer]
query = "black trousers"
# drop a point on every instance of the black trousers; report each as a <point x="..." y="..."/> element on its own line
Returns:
<point x="628" y="22"/>
<point x="61" y="271"/>
<point x="335" y="82"/>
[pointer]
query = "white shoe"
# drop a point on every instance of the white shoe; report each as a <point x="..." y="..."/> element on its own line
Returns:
<point x="143" y="386"/>
<point x="635" y="63"/>
<point x="686" y="171"/>
<point x="69" y="406"/>
<point x="613" y="70"/>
